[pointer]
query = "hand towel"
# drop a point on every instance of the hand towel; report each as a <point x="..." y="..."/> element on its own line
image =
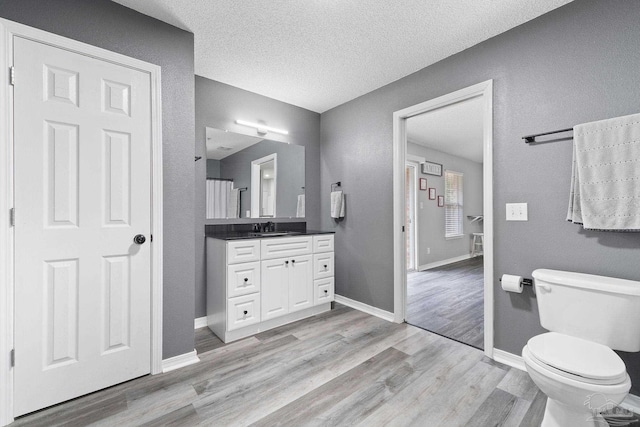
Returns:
<point x="605" y="181"/>
<point x="233" y="204"/>
<point x="337" y="204"/>
<point x="300" y="207"/>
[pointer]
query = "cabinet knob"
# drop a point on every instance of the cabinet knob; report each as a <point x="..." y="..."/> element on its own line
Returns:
<point x="326" y="291"/>
<point x="325" y="266"/>
<point x="246" y="312"/>
<point x="293" y="261"/>
<point x="246" y="280"/>
<point x="286" y="262"/>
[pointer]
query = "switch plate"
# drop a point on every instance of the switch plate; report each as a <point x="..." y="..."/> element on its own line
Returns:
<point x="517" y="212"/>
<point x="421" y="205"/>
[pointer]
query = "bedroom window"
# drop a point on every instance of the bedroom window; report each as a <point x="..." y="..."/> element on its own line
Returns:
<point x="453" y="204"/>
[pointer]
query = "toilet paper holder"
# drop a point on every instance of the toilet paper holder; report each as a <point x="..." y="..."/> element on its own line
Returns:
<point x="525" y="281"/>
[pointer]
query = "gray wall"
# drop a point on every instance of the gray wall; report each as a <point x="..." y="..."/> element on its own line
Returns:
<point x="430" y="218"/>
<point x="213" y="168"/>
<point x="218" y="106"/>
<point x="289" y="176"/>
<point x="576" y="64"/>
<point x="114" y="27"/>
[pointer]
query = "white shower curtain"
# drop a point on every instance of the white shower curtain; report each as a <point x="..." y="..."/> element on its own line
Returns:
<point x="217" y="197"/>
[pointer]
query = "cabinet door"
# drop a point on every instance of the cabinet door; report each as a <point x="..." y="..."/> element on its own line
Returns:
<point x="275" y="285"/>
<point x="300" y="282"/>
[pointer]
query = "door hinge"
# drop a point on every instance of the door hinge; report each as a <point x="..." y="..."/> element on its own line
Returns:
<point x="12" y="75"/>
<point x="403" y="228"/>
<point x="12" y="357"/>
<point x="12" y="217"/>
<point x="151" y="237"/>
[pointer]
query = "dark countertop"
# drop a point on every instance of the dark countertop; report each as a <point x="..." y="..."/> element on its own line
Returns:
<point x="237" y="235"/>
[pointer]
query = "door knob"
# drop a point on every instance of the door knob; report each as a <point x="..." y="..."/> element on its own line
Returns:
<point x="139" y="239"/>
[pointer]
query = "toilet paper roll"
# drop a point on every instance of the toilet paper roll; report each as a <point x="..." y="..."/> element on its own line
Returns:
<point x="511" y="283"/>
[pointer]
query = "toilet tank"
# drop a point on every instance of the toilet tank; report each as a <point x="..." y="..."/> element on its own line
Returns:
<point x="601" y="309"/>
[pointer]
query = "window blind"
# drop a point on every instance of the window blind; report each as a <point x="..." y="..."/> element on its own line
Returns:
<point x="453" y="204"/>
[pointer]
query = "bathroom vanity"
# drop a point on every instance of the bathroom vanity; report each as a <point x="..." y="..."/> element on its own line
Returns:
<point x="259" y="281"/>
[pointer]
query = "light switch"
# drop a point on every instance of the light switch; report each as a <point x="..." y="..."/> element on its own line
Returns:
<point x="517" y="212"/>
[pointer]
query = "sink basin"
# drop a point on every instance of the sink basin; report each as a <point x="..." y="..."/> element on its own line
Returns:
<point x="273" y="233"/>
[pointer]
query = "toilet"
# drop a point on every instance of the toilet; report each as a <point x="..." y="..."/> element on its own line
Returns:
<point x="574" y="364"/>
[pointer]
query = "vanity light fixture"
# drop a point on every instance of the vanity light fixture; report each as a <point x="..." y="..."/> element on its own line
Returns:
<point x="262" y="129"/>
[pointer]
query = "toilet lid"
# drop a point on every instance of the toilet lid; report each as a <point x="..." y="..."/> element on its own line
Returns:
<point x="577" y="356"/>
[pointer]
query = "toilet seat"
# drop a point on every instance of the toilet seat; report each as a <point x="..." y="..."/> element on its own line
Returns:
<point x="577" y="359"/>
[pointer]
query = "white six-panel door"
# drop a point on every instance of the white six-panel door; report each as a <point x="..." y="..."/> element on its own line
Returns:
<point x="82" y="192"/>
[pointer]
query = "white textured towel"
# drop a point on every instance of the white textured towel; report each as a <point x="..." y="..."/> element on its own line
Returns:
<point x="300" y="207"/>
<point x="337" y="204"/>
<point x="233" y="204"/>
<point x="605" y="179"/>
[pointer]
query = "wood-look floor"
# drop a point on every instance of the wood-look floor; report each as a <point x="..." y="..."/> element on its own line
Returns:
<point x="342" y="368"/>
<point x="449" y="300"/>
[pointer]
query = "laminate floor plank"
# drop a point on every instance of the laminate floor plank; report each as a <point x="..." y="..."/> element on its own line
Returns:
<point x="317" y="362"/>
<point x="535" y="413"/>
<point x="206" y="340"/>
<point x="500" y="409"/>
<point x="519" y="384"/>
<point x="185" y="416"/>
<point x="78" y="412"/>
<point x="458" y="400"/>
<point x="434" y="368"/>
<point x="148" y="407"/>
<point x="449" y="300"/>
<point x="340" y="368"/>
<point x="319" y="407"/>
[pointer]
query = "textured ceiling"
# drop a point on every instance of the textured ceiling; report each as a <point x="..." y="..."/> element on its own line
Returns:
<point x="318" y="54"/>
<point x="455" y="129"/>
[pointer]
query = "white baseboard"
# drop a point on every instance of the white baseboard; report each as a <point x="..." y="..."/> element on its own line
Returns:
<point x="180" y="361"/>
<point x="374" y="311"/>
<point x="509" y="359"/>
<point x="443" y="262"/>
<point x="200" y="322"/>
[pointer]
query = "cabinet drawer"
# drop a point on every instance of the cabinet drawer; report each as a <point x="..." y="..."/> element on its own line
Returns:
<point x="281" y="247"/>
<point x="243" y="311"/>
<point x="323" y="243"/>
<point x="243" y="279"/>
<point x="323" y="290"/>
<point x="243" y="251"/>
<point x="323" y="265"/>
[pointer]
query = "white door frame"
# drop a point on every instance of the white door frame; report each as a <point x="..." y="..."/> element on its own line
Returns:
<point x="415" y="165"/>
<point x="484" y="89"/>
<point x="256" y="188"/>
<point x="8" y="31"/>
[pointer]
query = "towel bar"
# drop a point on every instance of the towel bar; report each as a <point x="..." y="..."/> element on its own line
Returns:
<point x="532" y="138"/>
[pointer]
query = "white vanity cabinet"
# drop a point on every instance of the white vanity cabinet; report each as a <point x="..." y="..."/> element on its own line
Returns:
<point x="258" y="284"/>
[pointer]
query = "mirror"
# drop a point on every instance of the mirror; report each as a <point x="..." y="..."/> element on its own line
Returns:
<point x="253" y="177"/>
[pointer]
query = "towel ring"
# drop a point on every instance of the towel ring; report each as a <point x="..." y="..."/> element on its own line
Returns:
<point x="337" y="184"/>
